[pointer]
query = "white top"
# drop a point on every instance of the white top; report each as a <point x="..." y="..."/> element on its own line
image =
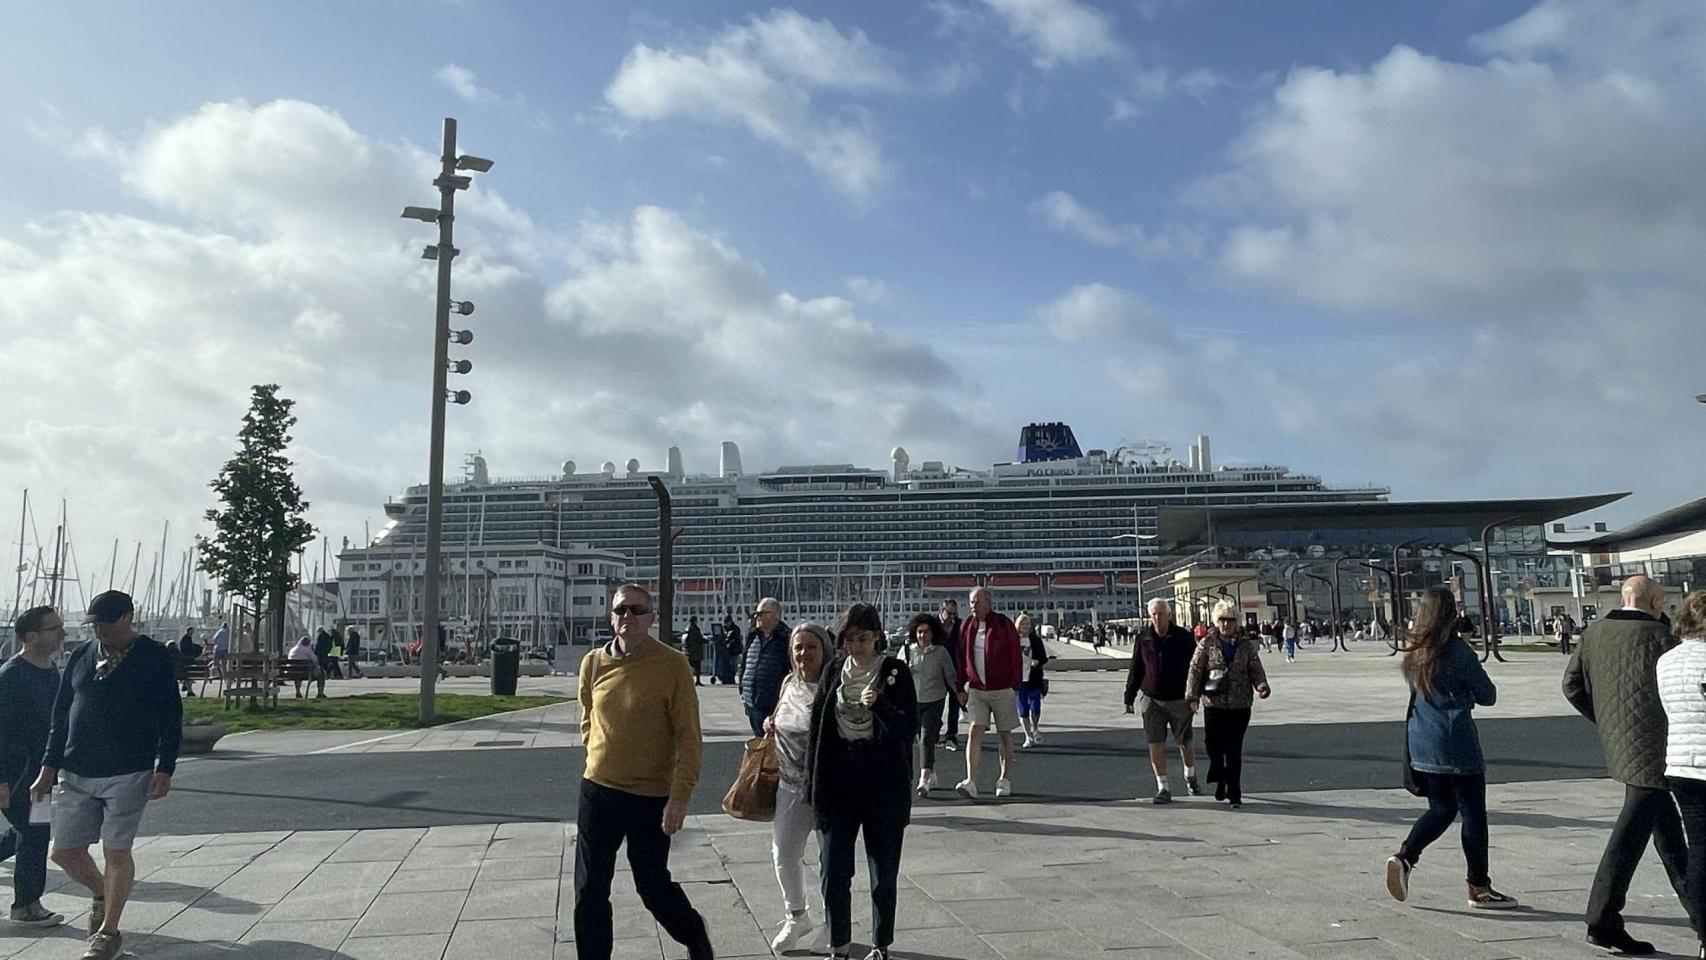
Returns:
<point x="793" y="728"/>
<point x="1681" y="672"/>
<point x="980" y="647"/>
<point x="1290" y="632"/>
<point x="302" y="651"/>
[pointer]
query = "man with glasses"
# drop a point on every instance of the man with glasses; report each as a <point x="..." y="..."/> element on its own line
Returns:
<point x="1160" y="664"/>
<point x="764" y="663"/>
<point x="28" y="683"/>
<point x="640" y="726"/>
<point x="113" y="745"/>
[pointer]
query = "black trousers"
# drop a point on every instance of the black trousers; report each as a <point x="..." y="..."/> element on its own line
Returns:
<point x="28" y="842"/>
<point x="1450" y="794"/>
<point x="1223" y="734"/>
<point x="930" y="728"/>
<point x="1648" y="812"/>
<point x="606" y="819"/>
<point x="884" y="832"/>
<point x="1690" y="797"/>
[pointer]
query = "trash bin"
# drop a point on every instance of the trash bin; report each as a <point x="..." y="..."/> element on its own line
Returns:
<point x="506" y="665"/>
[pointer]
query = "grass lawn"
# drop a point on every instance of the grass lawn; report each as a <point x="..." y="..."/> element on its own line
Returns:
<point x="369" y="711"/>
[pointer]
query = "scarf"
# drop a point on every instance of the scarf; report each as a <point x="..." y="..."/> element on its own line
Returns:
<point x="852" y="717"/>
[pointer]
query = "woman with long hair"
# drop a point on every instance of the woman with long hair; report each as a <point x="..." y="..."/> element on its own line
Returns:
<point x="859" y="774"/>
<point x="1682" y="679"/>
<point x="1446" y="682"/>
<point x="1226" y="677"/>
<point x="791" y="724"/>
<point x="933" y="674"/>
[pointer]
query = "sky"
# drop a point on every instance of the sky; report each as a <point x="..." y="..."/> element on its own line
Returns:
<point x="1453" y="248"/>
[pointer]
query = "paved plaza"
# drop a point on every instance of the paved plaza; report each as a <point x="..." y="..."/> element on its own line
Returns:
<point x="1296" y="873"/>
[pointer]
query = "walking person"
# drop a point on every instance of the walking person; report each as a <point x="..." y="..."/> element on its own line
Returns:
<point x="764" y="663"/>
<point x="640" y="724"/>
<point x="1160" y="666"/>
<point x="29" y="681"/>
<point x="1034" y="687"/>
<point x="112" y="748"/>
<point x="1565" y="628"/>
<point x="189" y="652"/>
<point x="933" y="677"/>
<point x="1681" y="673"/>
<point x="808" y="653"/>
<point x="950" y="618"/>
<point x="1612" y="679"/>
<point x="987" y="684"/>
<point x="695" y="648"/>
<point x="1289" y="634"/>
<point x="1446" y="682"/>
<point x="723" y="657"/>
<point x="859" y="775"/>
<point x="352" y="651"/>
<point x="1226" y="677"/>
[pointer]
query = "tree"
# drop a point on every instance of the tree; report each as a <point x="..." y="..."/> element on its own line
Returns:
<point x="261" y="525"/>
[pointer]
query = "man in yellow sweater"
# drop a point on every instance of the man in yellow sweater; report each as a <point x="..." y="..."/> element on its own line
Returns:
<point x="640" y="725"/>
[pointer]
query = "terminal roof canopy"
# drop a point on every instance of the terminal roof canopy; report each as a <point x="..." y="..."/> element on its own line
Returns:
<point x="1186" y="526"/>
<point x="1658" y="528"/>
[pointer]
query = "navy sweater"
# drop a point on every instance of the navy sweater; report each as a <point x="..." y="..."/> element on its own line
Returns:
<point x="129" y="722"/>
<point x="26" y="708"/>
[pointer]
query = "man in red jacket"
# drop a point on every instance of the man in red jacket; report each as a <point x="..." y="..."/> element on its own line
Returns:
<point x="991" y="665"/>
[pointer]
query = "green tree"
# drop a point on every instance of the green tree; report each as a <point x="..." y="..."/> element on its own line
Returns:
<point x="260" y="527"/>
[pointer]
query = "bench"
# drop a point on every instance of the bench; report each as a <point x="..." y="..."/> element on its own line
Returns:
<point x="244" y="677"/>
<point x="191" y="672"/>
<point x="292" y="672"/>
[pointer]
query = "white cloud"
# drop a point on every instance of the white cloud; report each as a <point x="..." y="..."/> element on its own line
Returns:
<point x="1065" y="213"/>
<point x="1106" y="316"/>
<point x="867" y="289"/>
<point x="1513" y="184"/>
<point x="462" y="81"/>
<point x="764" y="75"/>
<point x="235" y="273"/>
<point x="1059" y="31"/>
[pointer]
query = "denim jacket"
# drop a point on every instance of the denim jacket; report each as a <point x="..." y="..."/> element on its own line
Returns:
<point x="1442" y="731"/>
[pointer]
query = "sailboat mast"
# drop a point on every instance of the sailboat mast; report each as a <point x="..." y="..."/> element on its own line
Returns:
<point x="53" y="578"/>
<point x="135" y="566"/>
<point x="18" y="585"/>
<point x="112" y="568"/>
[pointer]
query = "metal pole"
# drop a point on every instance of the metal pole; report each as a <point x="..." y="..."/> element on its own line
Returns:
<point x="666" y="562"/>
<point x="435" y="465"/>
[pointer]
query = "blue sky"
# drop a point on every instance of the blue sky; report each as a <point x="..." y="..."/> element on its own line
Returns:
<point x="1441" y="246"/>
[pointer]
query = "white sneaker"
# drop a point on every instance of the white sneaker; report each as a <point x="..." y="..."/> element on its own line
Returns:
<point x="793" y="930"/>
<point x="1029" y="742"/>
<point x="1037" y="737"/>
<point x="1003" y="787"/>
<point x="926" y="783"/>
<point x="966" y="789"/>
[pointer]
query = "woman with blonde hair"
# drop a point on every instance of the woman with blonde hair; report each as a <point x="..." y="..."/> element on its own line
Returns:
<point x="1226" y="677"/>
<point x="1682" y="688"/>
<point x="1446" y="682"/>
<point x="809" y="647"/>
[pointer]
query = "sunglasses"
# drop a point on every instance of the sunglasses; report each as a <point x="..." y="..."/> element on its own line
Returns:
<point x="1226" y="619"/>
<point x="625" y="609"/>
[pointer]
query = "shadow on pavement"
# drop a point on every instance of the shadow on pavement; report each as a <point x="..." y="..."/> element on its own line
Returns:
<point x="1035" y="828"/>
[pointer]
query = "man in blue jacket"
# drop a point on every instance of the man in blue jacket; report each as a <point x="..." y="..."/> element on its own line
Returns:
<point x="764" y="664"/>
<point x="28" y="684"/>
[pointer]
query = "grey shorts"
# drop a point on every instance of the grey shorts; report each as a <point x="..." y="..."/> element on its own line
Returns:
<point x="1160" y="716"/>
<point x="993" y="708"/>
<point x="108" y="809"/>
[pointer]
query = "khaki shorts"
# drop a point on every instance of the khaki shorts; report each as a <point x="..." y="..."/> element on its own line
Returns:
<point x="999" y="705"/>
<point x="1161" y="716"/>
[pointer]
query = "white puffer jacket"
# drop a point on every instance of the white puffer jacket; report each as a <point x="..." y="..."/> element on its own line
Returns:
<point x="1681" y="673"/>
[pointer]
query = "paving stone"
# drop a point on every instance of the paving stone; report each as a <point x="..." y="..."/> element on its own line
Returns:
<point x="324" y="934"/>
<point x="334" y="891"/>
<point x="392" y="914"/>
<point x="461" y="835"/>
<point x="500" y="899"/>
<point x="416" y="946"/>
<point x="430" y="858"/>
<point x="437" y="878"/>
<point x="525" y="868"/>
<point x="509" y="939"/>
<point x="999" y="916"/>
<point x="1040" y="945"/>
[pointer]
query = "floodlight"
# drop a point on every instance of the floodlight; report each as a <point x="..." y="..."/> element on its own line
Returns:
<point x="464" y="337"/>
<point x="423" y="214"/>
<point x="471" y="162"/>
<point x="466" y="308"/>
<point x="459" y="397"/>
<point x="430" y="253"/>
<point x="460" y="183"/>
<point x="461" y="366"/>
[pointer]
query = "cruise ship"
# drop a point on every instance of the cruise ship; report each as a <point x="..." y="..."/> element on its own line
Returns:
<point x="1058" y="531"/>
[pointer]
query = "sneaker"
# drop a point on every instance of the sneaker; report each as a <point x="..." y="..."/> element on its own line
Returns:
<point x="1036" y="738"/>
<point x="791" y="931"/>
<point x="923" y="785"/>
<point x="97" y="915"/>
<point x="1486" y="898"/>
<point x="1162" y="796"/>
<point x="1029" y="742"/>
<point x="36" y="915"/>
<point x="951" y="745"/>
<point x="1192" y="788"/>
<point x="1003" y="787"/>
<point x="1619" y="941"/>
<point x="104" y="946"/>
<point x="966" y="789"/>
<point x="878" y="953"/>
<point x="1398" y="878"/>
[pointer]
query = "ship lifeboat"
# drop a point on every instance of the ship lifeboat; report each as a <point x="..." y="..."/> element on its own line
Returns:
<point x="1016" y="582"/>
<point x="1078" y="581"/>
<point x="950" y="582"/>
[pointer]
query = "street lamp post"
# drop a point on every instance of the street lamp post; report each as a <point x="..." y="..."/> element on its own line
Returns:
<point x="444" y="252"/>
<point x="1136" y="539"/>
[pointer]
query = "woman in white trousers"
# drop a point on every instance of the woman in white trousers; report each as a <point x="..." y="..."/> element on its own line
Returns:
<point x="790" y="724"/>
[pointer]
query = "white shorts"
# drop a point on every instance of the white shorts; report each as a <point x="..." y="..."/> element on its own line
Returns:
<point x="997" y="705"/>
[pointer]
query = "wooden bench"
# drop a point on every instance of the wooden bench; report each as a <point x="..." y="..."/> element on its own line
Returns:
<point x="245" y="678"/>
<point x="293" y="672"/>
<point x="199" y="670"/>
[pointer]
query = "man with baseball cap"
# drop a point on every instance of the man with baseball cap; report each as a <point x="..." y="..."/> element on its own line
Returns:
<point x="111" y="748"/>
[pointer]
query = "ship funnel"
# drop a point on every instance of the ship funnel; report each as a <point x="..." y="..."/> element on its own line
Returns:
<point x="633" y="467"/>
<point x="568" y="469"/>
<point x="609" y="468"/>
<point x="730" y="466"/>
<point x="1195" y="459"/>
<point x="674" y="460"/>
<point x="1202" y="454"/>
<point x="901" y="462"/>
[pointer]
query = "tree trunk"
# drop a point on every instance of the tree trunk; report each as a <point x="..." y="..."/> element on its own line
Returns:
<point x="275" y="640"/>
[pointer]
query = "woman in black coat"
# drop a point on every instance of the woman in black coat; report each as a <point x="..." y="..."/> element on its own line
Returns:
<point x="859" y="773"/>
